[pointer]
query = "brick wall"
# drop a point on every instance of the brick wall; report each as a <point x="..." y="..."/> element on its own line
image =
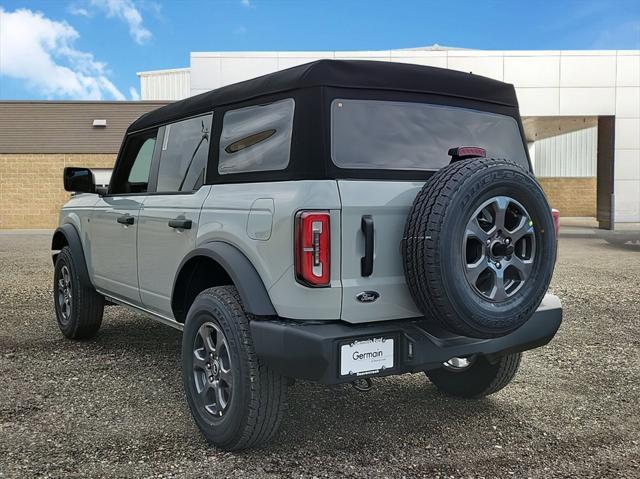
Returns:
<point x="572" y="196"/>
<point x="31" y="191"/>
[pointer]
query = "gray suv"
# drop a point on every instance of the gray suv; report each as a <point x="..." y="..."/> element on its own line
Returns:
<point x="333" y="222"/>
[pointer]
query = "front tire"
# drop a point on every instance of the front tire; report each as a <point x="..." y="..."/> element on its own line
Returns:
<point x="478" y="379"/>
<point x="236" y="401"/>
<point x="79" y="308"/>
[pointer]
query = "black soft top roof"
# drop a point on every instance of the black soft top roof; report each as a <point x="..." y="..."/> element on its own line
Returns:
<point x="361" y="74"/>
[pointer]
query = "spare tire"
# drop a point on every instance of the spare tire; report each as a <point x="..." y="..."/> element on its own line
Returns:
<point x="479" y="247"/>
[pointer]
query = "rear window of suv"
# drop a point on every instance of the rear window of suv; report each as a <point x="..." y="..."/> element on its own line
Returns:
<point x="375" y="134"/>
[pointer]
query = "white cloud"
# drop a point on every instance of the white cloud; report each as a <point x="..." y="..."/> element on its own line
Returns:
<point x="126" y="11"/>
<point x="78" y="11"/>
<point x="246" y="3"/>
<point x="41" y="52"/>
<point x="133" y="93"/>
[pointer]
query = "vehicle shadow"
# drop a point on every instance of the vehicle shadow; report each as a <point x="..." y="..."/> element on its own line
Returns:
<point x="325" y="419"/>
<point x="623" y="240"/>
<point x="397" y="407"/>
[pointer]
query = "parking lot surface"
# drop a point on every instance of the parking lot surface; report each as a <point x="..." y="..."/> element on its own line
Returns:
<point x="114" y="406"/>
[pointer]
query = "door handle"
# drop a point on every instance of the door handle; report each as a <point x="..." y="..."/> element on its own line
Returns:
<point x="126" y="220"/>
<point x="366" y="262"/>
<point x="180" y="223"/>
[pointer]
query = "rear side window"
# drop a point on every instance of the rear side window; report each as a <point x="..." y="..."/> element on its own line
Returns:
<point x="184" y="154"/>
<point x="256" y="138"/>
<point x="372" y="134"/>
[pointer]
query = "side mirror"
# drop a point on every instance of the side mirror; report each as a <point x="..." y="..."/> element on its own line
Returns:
<point x="79" y="180"/>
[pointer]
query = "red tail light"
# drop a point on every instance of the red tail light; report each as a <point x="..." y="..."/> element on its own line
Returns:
<point x="312" y="245"/>
<point x="556" y="220"/>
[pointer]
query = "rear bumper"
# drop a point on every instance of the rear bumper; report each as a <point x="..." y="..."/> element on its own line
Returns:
<point x="312" y="351"/>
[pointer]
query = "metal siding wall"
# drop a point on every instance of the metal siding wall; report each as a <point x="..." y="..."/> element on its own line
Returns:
<point x="572" y="154"/>
<point x="168" y="85"/>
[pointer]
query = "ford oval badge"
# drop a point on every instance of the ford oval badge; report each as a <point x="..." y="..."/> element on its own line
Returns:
<point x="367" y="296"/>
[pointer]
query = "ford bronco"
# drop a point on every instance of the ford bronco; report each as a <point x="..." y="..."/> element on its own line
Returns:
<point x="333" y="222"/>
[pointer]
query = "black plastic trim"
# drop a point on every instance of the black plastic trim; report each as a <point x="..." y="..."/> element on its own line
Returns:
<point x="180" y="223"/>
<point x="246" y="279"/>
<point x="311" y="351"/>
<point x="126" y="219"/>
<point x="77" y="253"/>
<point x="366" y="262"/>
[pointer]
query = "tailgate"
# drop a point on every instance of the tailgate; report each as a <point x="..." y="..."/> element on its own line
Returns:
<point x="388" y="204"/>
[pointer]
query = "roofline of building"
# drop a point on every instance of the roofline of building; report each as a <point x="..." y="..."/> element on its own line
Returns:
<point x="169" y="70"/>
<point x="435" y="47"/>
<point x="435" y="50"/>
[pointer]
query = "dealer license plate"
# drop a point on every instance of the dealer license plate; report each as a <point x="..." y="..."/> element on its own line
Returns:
<point x="367" y="356"/>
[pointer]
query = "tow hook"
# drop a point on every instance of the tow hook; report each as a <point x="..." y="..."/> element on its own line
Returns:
<point x="362" y="385"/>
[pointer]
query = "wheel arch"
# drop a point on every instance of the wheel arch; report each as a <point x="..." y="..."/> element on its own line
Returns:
<point x="67" y="235"/>
<point x="218" y="264"/>
<point x="58" y="242"/>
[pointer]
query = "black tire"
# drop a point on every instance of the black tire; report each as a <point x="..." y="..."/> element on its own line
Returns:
<point x="478" y="380"/>
<point x="256" y="402"/>
<point x="435" y="238"/>
<point x="79" y="311"/>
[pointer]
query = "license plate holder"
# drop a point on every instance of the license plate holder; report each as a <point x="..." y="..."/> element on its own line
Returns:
<point x="367" y="356"/>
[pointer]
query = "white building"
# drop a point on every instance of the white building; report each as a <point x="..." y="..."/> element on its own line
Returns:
<point x="581" y="110"/>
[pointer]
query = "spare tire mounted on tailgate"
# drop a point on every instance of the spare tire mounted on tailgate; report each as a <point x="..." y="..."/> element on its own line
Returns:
<point x="479" y="247"/>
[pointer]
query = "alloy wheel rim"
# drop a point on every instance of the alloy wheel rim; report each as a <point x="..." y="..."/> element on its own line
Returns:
<point x="64" y="294"/>
<point x="499" y="248"/>
<point x="212" y="372"/>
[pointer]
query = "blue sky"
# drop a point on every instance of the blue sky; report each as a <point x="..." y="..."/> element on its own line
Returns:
<point x="92" y="49"/>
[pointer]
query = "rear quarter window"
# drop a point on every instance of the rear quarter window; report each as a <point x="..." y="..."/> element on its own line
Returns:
<point x="375" y="134"/>
<point x="256" y="138"/>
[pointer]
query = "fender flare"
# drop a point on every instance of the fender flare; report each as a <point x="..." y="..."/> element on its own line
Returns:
<point x="244" y="275"/>
<point x="72" y="237"/>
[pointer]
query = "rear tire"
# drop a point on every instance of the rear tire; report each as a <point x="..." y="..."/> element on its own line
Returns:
<point x="78" y="306"/>
<point x="480" y="379"/>
<point x="236" y="401"/>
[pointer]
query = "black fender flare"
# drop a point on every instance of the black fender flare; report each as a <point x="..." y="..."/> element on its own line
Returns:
<point x="72" y="238"/>
<point x="244" y="275"/>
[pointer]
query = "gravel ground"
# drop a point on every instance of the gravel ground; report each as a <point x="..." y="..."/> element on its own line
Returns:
<point x="114" y="406"/>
